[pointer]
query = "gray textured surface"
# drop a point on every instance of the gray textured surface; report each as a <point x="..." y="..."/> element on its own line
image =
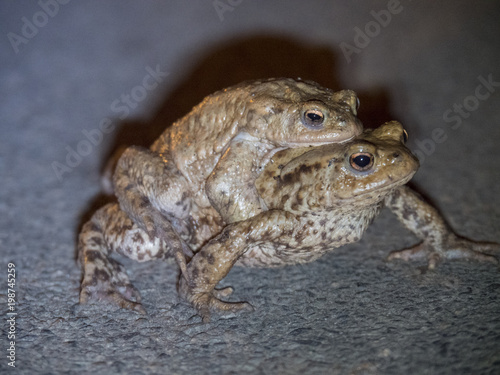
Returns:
<point x="350" y="312"/>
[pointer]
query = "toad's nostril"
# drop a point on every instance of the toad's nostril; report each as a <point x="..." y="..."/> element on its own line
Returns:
<point x="395" y="155"/>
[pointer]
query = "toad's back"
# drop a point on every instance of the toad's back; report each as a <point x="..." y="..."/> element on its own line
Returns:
<point x="265" y="112"/>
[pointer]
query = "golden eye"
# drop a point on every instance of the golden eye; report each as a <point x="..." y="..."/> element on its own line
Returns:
<point x="361" y="161"/>
<point x="313" y="119"/>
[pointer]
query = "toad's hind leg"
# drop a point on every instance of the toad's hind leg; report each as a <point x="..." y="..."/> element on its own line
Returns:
<point x="104" y="278"/>
<point x="150" y="189"/>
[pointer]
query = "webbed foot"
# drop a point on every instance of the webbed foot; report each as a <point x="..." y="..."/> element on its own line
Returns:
<point x="454" y="247"/>
<point x="110" y="284"/>
<point x="209" y="301"/>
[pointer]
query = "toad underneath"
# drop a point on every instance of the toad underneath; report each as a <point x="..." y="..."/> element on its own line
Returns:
<point x="315" y="199"/>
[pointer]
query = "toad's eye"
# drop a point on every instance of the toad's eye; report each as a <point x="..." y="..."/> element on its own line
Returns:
<point x="313" y="119"/>
<point x="405" y="136"/>
<point x="361" y="161"/>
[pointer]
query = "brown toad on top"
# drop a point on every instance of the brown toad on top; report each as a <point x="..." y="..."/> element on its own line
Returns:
<point x="316" y="199"/>
<point x="211" y="158"/>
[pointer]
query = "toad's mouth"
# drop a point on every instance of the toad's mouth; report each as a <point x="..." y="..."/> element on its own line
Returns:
<point x="385" y="186"/>
<point x="316" y="144"/>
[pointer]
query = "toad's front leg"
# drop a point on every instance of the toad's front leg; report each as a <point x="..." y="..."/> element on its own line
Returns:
<point x="231" y="186"/>
<point x="438" y="240"/>
<point x="216" y="258"/>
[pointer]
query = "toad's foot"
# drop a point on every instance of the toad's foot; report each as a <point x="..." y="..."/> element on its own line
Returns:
<point x="454" y="248"/>
<point x="110" y="284"/>
<point x="207" y="302"/>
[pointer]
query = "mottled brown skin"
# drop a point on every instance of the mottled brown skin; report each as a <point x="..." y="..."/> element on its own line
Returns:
<point x="211" y="158"/>
<point x="317" y="199"/>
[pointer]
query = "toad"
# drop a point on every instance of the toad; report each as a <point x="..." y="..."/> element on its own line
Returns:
<point x="316" y="199"/>
<point x="205" y="165"/>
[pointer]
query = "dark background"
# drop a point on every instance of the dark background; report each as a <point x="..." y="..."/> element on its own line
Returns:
<point x="349" y="313"/>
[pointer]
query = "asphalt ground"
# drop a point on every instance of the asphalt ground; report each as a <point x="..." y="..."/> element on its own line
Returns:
<point x="72" y="91"/>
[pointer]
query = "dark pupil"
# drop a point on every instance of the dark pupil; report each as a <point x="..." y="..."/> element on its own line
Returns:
<point x="362" y="160"/>
<point x="314" y="117"/>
